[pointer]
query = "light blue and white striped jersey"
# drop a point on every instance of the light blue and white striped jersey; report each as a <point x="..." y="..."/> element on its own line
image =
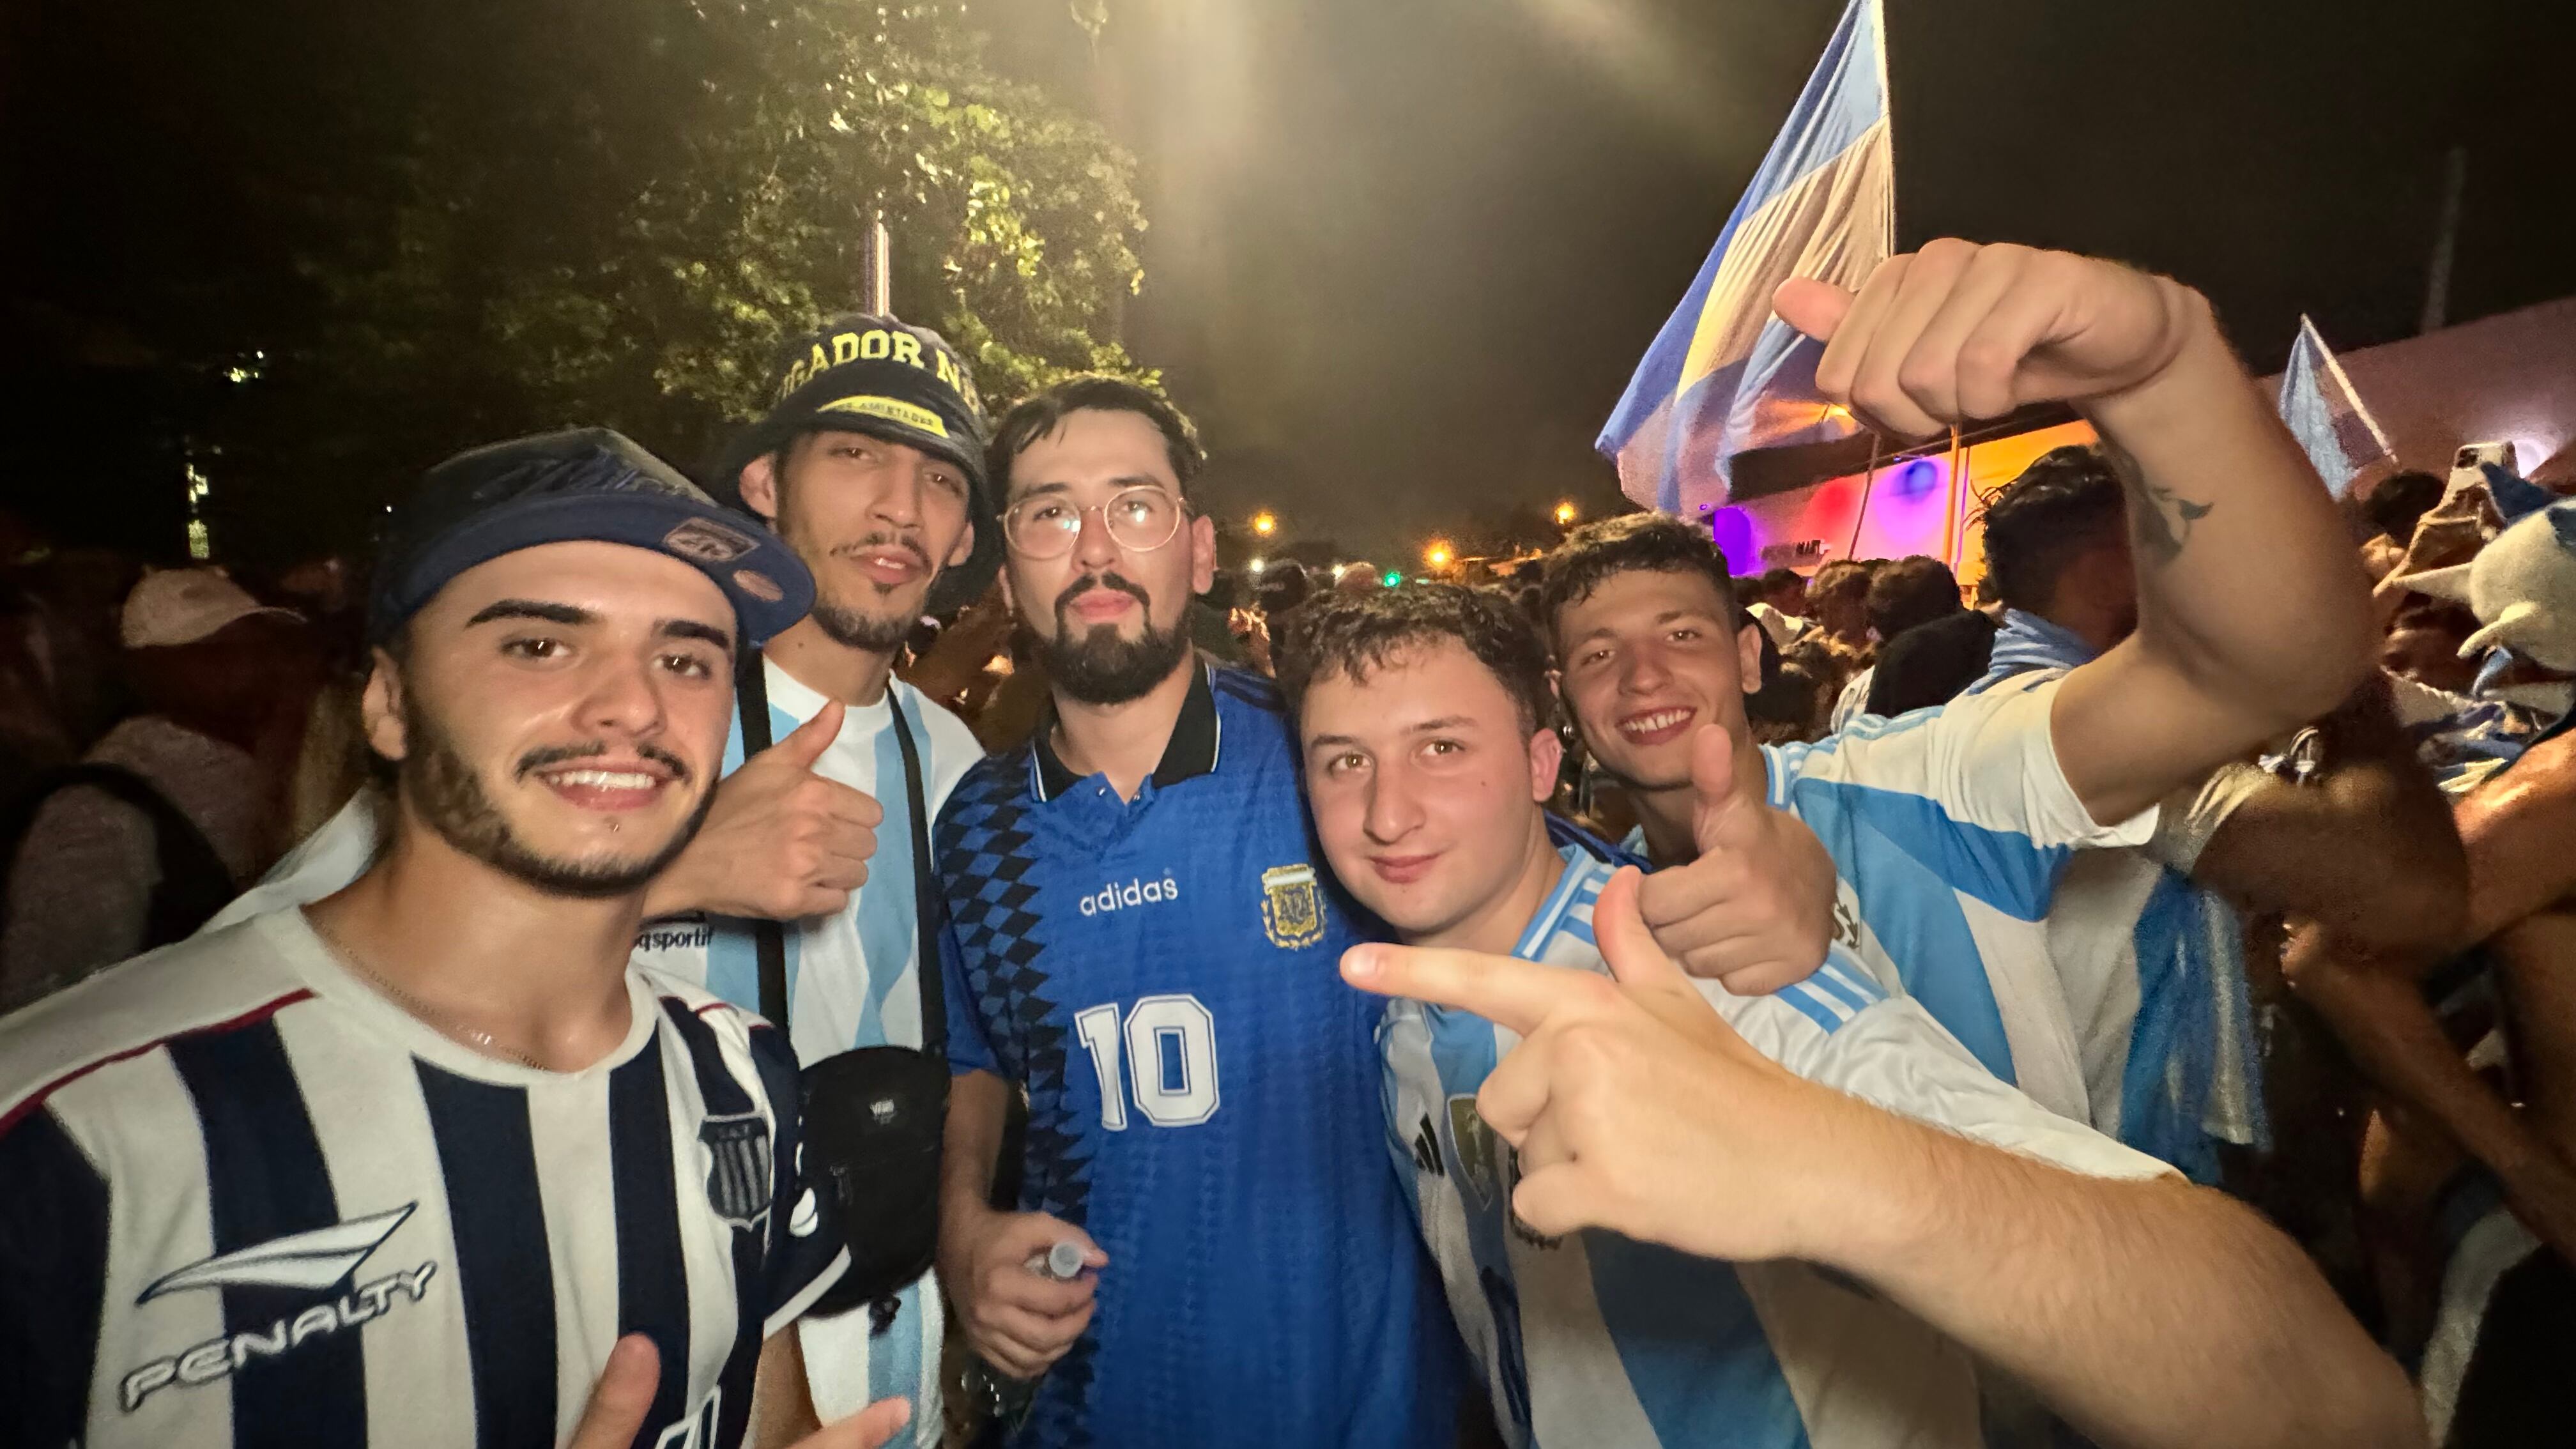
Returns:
<point x="2152" y="964"/>
<point x="853" y="980"/>
<point x="2153" y="967"/>
<point x="1598" y="1341"/>
<point x="1949" y="828"/>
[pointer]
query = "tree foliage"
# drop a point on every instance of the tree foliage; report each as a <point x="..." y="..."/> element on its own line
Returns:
<point x="610" y="211"/>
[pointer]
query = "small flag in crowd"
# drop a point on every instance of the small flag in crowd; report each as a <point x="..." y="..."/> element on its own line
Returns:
<point x="2338" y="434"/>
<point x="1725" y="375"/>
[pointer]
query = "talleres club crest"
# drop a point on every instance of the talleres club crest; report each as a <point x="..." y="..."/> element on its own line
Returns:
<point x="738" y="1174"/>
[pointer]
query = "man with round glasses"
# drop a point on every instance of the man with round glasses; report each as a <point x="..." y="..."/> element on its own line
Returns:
<point x="1144" y="941"/>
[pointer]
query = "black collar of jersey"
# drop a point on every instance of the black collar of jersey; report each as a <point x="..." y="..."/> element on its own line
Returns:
<point x="1188" y="754"/>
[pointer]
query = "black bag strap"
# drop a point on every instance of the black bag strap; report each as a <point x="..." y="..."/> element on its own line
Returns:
<point x="194" y="884"/>
<point x="926" y="905"/>
<point x="769" y="938"/>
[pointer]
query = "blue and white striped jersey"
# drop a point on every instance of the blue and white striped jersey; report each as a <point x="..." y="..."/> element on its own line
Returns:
<point x="853" y="980"/>
<point x="250" y="1201"/>
<point x="2152" y="965"/>
<point x="1598" y="1341"/>
<point x="1949" y="828"/>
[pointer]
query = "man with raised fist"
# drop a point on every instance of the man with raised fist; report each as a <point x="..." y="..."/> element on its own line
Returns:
<point x="1645" y="1263"/>
<point x="1948" y="828"/>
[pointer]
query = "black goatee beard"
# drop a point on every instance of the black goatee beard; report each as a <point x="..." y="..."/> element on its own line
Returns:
<point x="446" y="793"/>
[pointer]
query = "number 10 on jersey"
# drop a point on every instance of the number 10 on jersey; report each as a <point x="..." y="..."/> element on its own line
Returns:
<point x="1166" y="1052"/>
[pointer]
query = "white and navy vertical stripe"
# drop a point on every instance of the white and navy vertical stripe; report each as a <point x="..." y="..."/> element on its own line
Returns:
<point x="1596" y="1341"/>
<point x="252" y="1203"/>
<point x="853" y="980"/>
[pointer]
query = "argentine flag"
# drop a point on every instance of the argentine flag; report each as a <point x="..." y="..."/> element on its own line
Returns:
<point x="1725" y="375"/>
<point x="2336" y="432"/>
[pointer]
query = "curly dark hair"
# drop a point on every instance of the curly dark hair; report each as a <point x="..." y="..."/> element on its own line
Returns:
<point x="2065" y="502"/>
<point x="1352" y="634"/>
<point x="1655" y="542"/>
<point x="1041" y="413"/>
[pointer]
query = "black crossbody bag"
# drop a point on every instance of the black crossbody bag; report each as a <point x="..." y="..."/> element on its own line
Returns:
<point x="874" y="1116"/>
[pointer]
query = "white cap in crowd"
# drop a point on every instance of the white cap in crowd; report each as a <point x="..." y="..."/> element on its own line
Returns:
<point x="182" y="606"/>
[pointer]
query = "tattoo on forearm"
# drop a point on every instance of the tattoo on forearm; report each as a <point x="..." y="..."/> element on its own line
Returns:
<point x="2160" y="520"/>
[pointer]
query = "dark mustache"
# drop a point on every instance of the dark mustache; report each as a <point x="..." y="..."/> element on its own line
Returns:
<point x="545" y="755"/>
<point x="1089" y="582"/>
<point x="883" y="540"/>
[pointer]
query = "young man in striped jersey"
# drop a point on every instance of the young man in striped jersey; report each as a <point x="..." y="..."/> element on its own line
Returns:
<point x="428" y="1161"/>
<point x="870" y="467"/>
<point x="1949" y="828"/>
<point x="1427" y="761"/>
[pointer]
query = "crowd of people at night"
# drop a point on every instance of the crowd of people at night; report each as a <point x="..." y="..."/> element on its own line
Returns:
<point x="886" y="942"/>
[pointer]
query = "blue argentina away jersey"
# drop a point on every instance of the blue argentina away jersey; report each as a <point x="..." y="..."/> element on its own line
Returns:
<point x="1595" y="1341"/>
<point x="1949" y="828"/>
<point x="1162" y="976"/>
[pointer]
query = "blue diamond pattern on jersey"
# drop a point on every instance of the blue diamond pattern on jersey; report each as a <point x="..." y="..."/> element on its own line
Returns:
<point x="984" y="864"/>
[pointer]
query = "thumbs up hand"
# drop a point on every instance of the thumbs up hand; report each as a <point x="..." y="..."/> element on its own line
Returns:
<point x="1755" y="910"/>
<point x="1633" y="1105"/>
<point x="781" y="843"/>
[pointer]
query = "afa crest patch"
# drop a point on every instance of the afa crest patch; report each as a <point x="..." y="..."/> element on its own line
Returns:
<point x="1292" y="906"/>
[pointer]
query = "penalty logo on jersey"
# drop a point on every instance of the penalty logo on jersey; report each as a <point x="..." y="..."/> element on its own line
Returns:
<point x="1292" y="906"/>
<point x="738" y="1181"/>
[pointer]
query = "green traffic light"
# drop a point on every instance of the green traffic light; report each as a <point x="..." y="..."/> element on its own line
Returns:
<point x="1392" y="578"/>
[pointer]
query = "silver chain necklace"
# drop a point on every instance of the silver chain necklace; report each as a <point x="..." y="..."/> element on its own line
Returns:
<point x="429" y="1016"/>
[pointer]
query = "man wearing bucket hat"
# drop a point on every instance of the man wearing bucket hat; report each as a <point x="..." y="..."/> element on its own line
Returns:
<point x="869" y="467"/>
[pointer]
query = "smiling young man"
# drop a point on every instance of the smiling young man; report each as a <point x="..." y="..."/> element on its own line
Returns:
<point x="870" y="467"/>
<point x="1421" y="713"/>
<point x="425" y="1161"/>
<point x="1949" y="828"/>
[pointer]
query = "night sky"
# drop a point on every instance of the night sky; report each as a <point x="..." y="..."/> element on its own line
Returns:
<point x="1405" y="252"/>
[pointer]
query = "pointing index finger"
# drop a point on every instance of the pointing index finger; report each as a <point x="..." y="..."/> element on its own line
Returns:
<point x="1504" y="990"/>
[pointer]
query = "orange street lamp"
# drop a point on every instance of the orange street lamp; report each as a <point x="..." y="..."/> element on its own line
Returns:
<point x="1565" y="514"/>
<point x="1265" y="523"/>
<point x="1439" y="555"/>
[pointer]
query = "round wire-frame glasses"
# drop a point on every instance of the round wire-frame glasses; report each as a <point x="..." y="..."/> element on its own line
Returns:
<point x="1140" y="519"/>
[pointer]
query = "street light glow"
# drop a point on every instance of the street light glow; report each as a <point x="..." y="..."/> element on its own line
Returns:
<point x="1265" y="523"/>
<point x="1439" y="555"/>
<point x="1565" y="514"/>
<point x="1255" y="565"/>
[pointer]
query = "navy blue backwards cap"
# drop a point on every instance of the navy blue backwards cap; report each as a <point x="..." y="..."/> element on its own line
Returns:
<point x="862" y="373"/>
<point x="581" y="485"/>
